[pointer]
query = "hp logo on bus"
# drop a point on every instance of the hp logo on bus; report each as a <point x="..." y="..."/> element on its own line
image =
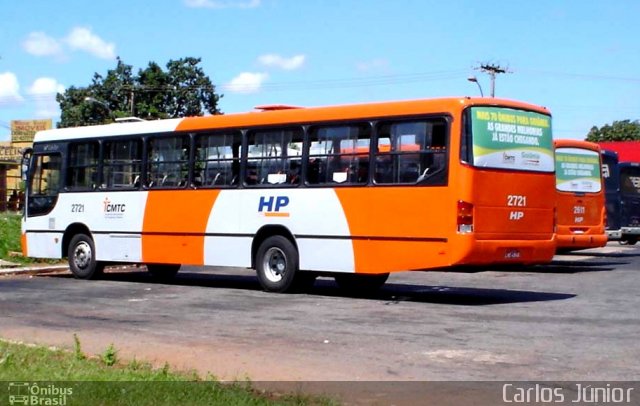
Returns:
<point x="271" y="206"/>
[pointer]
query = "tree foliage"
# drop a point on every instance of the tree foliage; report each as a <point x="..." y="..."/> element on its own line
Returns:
<point x="624" y="130"/>
<point x="181" y="90"/>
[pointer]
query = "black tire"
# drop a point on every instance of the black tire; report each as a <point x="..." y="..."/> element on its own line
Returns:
<point x="277" y="264"/>
<point x="361" y="283"/>
<point x="163" y="272"/>
<point x="82" y="258"/>
<point x="629" y="241"/>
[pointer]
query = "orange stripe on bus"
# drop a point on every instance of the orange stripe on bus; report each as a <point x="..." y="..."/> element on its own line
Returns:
<point x="396" y="212"/>
<point x="174" y="226"/>
<point x="23" y="244"/>
<point x="274" y="214"/>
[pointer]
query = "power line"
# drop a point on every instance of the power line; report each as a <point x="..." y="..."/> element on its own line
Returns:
<point x="579" y="75"/>
<point x="351" y="82"/>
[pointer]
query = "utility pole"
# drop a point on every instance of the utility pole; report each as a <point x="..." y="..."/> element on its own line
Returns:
<point x="492" y="70"/>
<point x="132" y="103"/>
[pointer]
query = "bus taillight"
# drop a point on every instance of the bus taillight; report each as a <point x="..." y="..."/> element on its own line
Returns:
<point x="465" y="217"/>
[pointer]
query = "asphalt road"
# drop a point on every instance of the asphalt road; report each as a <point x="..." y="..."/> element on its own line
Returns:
<point x="577" y="318"/>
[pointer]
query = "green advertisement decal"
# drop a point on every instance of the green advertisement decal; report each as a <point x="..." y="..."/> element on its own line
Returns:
<point x="577" y="170"/>
<point x="512" y="139"/>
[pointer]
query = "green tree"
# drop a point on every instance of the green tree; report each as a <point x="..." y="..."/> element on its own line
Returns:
<point x="182" y="90"/>
<point x="624" y="130"/>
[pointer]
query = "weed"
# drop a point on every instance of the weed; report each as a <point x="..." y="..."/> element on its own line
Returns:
<point x="77" y="349"/>
<point x="110" y="356"/>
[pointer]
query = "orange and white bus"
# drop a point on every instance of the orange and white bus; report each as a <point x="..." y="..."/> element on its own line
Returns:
<point x="354" y="191"/>
<point x="580" y="196"/>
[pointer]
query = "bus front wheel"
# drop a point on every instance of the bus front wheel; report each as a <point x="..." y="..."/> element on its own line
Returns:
<point x="82" y="258"/>
<point x="276" y="264"/>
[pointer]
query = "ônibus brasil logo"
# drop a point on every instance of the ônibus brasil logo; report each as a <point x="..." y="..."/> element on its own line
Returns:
<point x="26" y="393"/>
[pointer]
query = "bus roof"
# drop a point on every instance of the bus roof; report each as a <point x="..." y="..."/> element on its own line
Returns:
<point x="569" y="143"/>
<point x="283" y="117"/>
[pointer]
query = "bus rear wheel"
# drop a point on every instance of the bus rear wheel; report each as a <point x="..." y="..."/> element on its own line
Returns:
<point x="82" y="258"/>
<point x="361" y="283"/>
<point x="163" y="271"/>
<point x="629" y="241"/>
<point x="276" y="264"/>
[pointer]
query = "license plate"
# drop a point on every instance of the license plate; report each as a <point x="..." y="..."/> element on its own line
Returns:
<point x="512" y="254"/>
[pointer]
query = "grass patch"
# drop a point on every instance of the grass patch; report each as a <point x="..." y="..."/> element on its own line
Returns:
<point x="9" y="234"/>
<point x="10" y="231"/>
<point x="89" y="381"/>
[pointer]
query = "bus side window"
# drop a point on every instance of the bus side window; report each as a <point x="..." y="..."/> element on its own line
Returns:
<point x="82" y="166"/>
<point x="217" y="161"/>
<point x="122" y="164"/>
<point x="411" y="152"/>
<point x="273" y="157"/>
<point x="339" y="154"/>
<point x="168" y="162"/>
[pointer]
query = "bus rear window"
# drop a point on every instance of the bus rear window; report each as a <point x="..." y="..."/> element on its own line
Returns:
<point x="630" y="180"/>
<point x="506" y="138"/>
<point x="578" y="170"/>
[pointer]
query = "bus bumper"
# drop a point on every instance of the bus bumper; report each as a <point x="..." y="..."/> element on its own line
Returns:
<point x="581" y="241"/>
<point x="614" y="234"/>
<point x="634" y="231"/>
<point x="526" y="252"/>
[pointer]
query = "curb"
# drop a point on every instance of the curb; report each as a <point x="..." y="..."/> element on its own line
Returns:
<point x="33" y="270"/>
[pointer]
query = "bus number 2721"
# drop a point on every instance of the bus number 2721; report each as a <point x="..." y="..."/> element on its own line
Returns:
<point x="516" y="201"/>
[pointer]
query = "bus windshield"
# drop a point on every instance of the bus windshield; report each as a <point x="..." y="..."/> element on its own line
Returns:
<point x="578" y="170"/>
<point x="506" y="138"/>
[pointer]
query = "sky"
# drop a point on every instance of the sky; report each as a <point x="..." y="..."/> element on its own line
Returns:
<point x="579" y="58"/>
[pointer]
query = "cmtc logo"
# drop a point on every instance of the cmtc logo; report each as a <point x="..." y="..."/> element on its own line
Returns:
<point x="113" y="210"/>
<point x="271" y="206"/>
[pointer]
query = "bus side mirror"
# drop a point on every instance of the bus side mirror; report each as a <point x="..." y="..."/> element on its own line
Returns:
<point x="24" y="163"/>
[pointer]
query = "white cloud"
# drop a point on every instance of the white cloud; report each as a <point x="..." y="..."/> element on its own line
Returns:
<point x="43" y="91"/>
<point x="246" y="82"/>
<point x="220" y="4"/>
<point x="40" y="44"/>
<point x="46" y="86"/>
<point x="9" y="89"/>
<point x="277" y="61"/>
<point x="374" y="65"/>
<point x="83" y="39"/>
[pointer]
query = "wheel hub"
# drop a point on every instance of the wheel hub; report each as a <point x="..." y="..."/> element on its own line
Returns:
<point x="275" y="264"/>
<point x="82" y="255"/>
